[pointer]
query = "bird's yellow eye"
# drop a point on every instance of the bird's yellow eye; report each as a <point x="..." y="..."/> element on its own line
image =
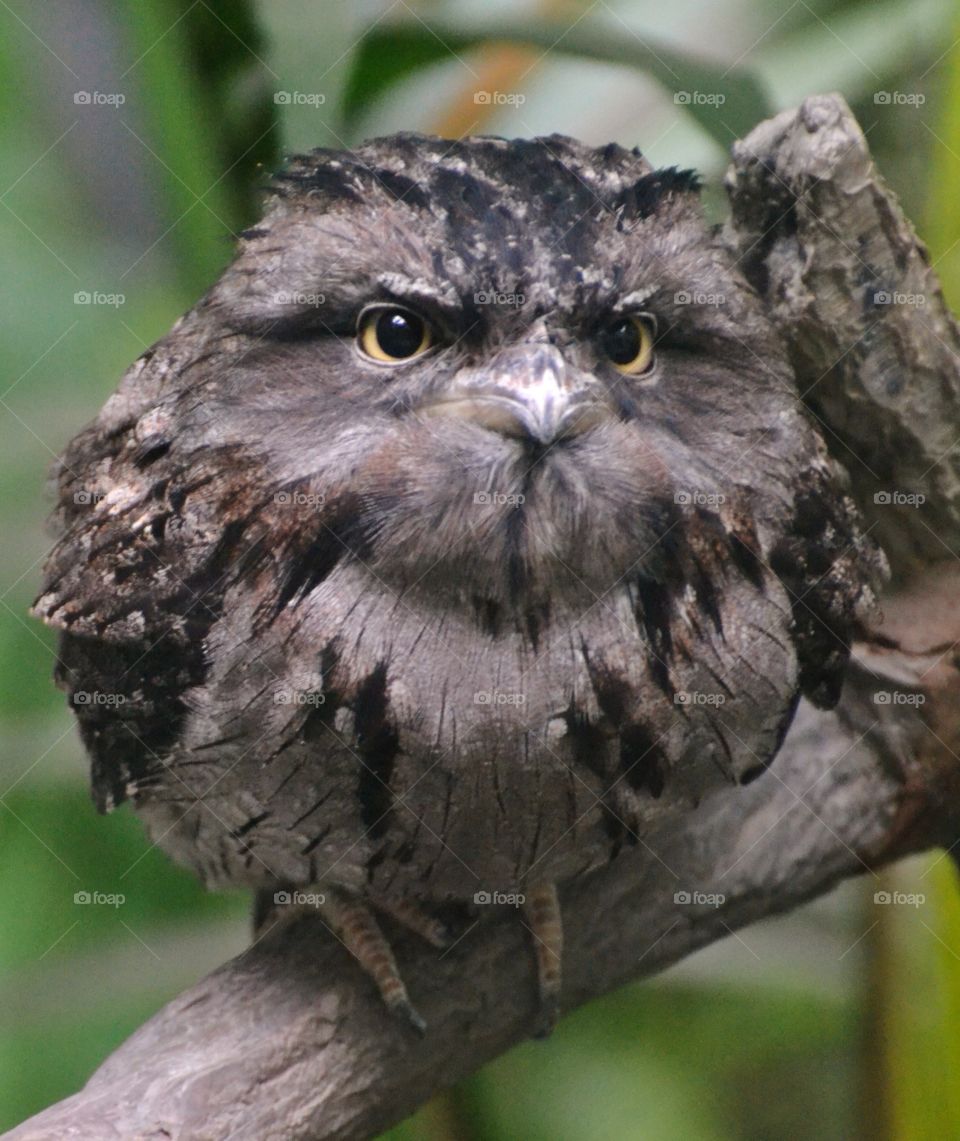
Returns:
<point x="627" y="343"/>
<point x="389" y="334"/>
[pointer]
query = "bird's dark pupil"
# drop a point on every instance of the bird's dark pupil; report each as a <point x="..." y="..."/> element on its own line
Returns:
<point x="399" y="334"/>
<point x="621" y="342"/>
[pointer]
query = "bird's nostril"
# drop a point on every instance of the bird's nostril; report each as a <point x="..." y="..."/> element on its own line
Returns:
<point x="531" y="361"/>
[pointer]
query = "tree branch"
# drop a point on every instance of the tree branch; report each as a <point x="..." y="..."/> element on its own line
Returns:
<point x="290" y="1039"/>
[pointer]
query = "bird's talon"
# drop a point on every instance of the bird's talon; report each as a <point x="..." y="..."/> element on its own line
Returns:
<point x="547" y="1016"/>
<point x="406" y="1011"/>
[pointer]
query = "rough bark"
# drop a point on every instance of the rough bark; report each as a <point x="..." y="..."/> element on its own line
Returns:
<point x="290" y="1040"/>
<point x="874" y="346"/>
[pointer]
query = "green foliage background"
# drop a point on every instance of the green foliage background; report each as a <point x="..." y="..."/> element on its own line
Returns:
<point x="833" y="1023"/>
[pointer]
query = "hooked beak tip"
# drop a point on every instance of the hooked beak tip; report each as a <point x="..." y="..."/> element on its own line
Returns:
<point x="532" y="398"/>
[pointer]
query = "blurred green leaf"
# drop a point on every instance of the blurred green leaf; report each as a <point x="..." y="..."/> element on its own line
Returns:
<point x="671" y="1062"/>
<point x="860" y="50"/>
<point x="942" y="217"/>
<point x="394" y="50"/>
<point x="914" y="1003"/>
<point x="206" y="133"/>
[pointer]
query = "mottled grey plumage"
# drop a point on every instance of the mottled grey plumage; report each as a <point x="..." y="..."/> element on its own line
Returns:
<point x="379" y="627"/>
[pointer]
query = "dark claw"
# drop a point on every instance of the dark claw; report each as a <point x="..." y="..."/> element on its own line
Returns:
<point x="405" y="1010"/>
<point x="445" y="935"/>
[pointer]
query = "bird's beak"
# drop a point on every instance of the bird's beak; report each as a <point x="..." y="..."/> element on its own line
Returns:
<point x="528" y="392"/>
